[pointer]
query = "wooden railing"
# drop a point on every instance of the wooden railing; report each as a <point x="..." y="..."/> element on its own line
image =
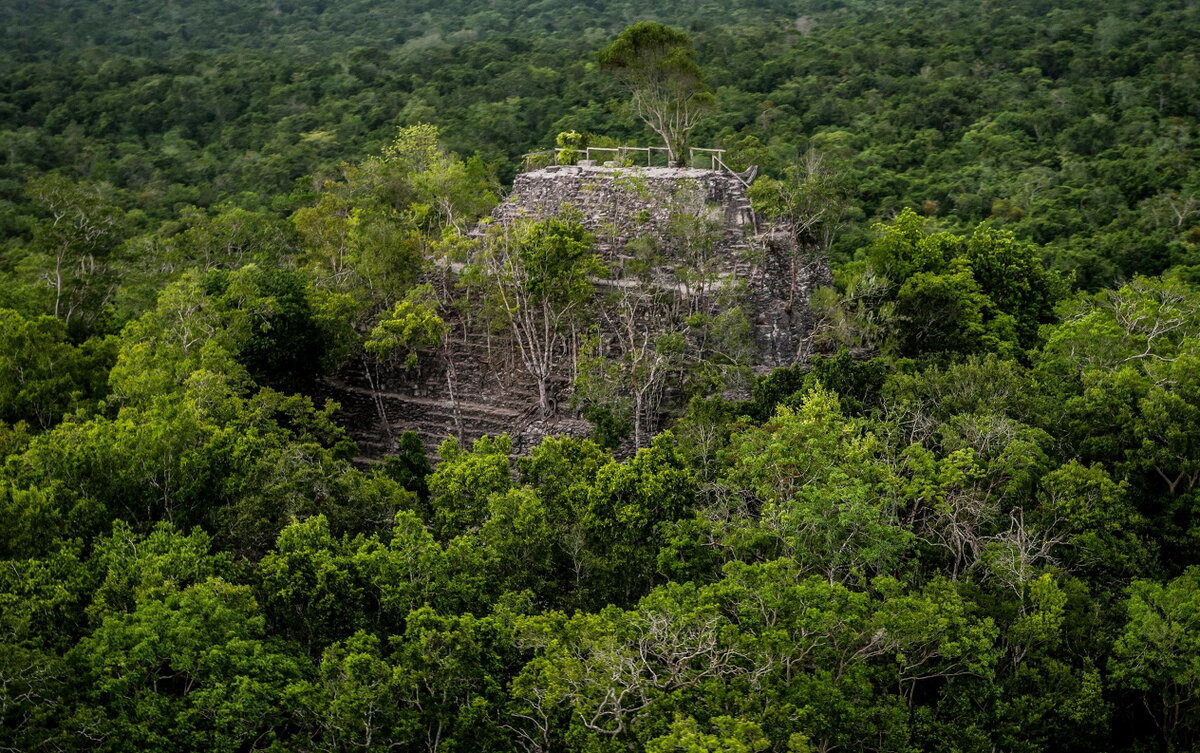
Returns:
<point x="621" y="154"/>
<point x="538" y="160"/>
<point x="705" y="159"/>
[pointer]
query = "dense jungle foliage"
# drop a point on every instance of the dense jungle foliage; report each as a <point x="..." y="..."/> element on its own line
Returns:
<point x="970" y="523"/>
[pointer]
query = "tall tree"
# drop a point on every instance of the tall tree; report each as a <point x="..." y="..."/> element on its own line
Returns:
<point x="538" y="276"/>
<point x="71" y="246"/>
<point x="659" y="66"/>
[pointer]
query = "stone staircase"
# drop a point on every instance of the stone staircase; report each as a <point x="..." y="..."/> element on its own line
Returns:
<point x="434" y="417"/>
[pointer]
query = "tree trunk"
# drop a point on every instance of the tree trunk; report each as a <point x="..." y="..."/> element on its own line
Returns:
<point x="380" y="408"/>
<point x="543" y="397"/>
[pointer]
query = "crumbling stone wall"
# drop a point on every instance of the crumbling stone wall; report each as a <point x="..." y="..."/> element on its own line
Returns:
<point x="475" y="387"/>
<point x="619" y="204"/>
